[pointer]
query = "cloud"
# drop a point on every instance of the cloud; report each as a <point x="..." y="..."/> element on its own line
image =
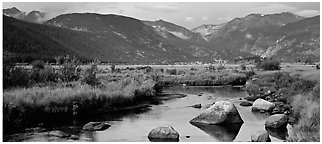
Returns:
<point x="204" y="18"/>
<point x="165" y="7"/>
<point x="158" y="8"/>
<point x="308" y="13"/>
<point x="226" y="18"/>
<point x="272" y="8"/>
<point x="189" y="19"/>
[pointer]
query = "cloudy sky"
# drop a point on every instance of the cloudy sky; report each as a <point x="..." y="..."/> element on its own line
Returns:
<point x="188" y="14"/>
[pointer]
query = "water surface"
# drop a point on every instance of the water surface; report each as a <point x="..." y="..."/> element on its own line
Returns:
<point x="135" y="126"/>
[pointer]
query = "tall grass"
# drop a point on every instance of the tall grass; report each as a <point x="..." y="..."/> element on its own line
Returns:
<point x="303" y="95"/>
<point x="307" y="110"/>
<point x="29" y="106"/>
<point x="205" y="79"/>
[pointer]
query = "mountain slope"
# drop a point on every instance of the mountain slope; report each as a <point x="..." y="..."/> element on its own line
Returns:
<point x="252" y="34"/>
<point x="300" y="41"/>
<point x="208" y="31"/>
<point x="33" y="16"/>
<point x="23" y="42"/>
<point x="110" y="38"/>
<point x="178" y="31"/>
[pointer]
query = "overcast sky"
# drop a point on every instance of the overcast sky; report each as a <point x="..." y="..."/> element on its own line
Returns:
<point x="187" y="14"/>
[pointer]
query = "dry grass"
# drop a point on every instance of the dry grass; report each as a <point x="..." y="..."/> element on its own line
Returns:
<point x="22" y="105"/>
<point x="307" y="109"/>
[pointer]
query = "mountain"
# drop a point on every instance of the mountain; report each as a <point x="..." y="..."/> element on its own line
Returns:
<point x="26" y="42"/>
<point x="250" y="35"/>
<point x="299" y="41"/>
<point x="33" y="16"/>
<point x="208" y="31"/>
<point x="176" y="30"/>
<point x="121" y="39"/>
<point x="109" y="38"/>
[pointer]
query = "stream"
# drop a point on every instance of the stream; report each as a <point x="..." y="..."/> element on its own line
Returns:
<point x="134" y="126"/>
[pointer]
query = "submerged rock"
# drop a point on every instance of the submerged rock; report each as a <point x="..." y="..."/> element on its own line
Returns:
<point x="276" y="121"/>
<point x="221" y="112"/>
<point x="260" y="136"/>
<point x="96" y="126"/>
<point x="196" y="106"/>
<point x="261" y="104"/>
<point x="57" y="133"/>
<point x="246" y="103"/>
<point x="164" y="133"/>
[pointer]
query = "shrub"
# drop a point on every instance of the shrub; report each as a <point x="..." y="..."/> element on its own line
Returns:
<point x="70" y="70"/>
<point x="243" y="67"/>
<point x="113" y="67"/>
<point x="59" y="60"/>
<point x="38" y="64"/>
<point x="270" y="65"/>
<point x="309" y="61"/>
<point x="43" y="75"/>
<point x="220" y="67"/>
<point x="171" y="71"/>
<point x="15" y="76"/>
<point x="193" y="69"/>
<point x="89" y="74"/>
<point x="148" y="69"/>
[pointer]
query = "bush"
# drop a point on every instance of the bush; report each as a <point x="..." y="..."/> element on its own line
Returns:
<point x="89" y="74"/>
<point x="70" y="69"/>
<point x="193" y="69"/>
<point x="243" y="67"/>
<point x="43" y="75"/>
<point x="309" y="62"/>
<point x="220" y="67"/>
<point x="15" y="76"/>
<point x="171" y="71"/>
<point x="38" y="64"/>
<point x="113" y="67"/>
<point x="270" y="65"/>
<point x="59" y="60"/>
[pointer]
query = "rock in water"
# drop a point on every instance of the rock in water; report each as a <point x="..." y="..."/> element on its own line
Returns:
<point x="276" y="121"/>
<point x="221" y="112"/>
<point x="164" y="134"/>
<point x="58" y="133"/>
<point x="196" y="106"/>
<point x="260" y="136"/>
<point x="246" y="103"/>
<point x="261" y="104"/>
<point x="96" y="126"/>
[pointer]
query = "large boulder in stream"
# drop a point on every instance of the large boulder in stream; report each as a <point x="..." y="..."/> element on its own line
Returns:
<point x="221" y="112"/>
<point x="96" y="126"/>
<point x="276" y="121"/>
<point x="164" y="134"/>
<point x="264" y="105"/>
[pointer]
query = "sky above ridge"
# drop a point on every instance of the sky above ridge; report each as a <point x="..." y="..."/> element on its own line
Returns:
<point x="187" y="14"/>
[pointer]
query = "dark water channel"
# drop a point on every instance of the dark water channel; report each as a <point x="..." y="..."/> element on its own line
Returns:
<point x="135" y="126"/>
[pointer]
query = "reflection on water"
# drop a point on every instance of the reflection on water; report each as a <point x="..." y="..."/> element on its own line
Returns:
<point x="278" y="133"/>
<point x="88" y="136"/>
<point x="226" y="92"/>
<point x="224" y="133"/>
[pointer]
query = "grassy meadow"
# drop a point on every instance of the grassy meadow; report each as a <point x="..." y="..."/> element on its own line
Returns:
<point x="71" y="90"/>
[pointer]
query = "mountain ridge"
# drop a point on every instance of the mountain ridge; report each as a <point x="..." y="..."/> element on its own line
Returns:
<point x="116" y="38"/>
